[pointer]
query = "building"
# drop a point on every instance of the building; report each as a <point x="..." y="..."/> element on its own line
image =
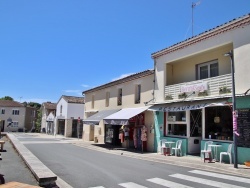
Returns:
<point x="15" y="116"/>
<point x="48" y="110"/>
<point x="194" y="87"/>
<point x="115" y="113"/>
<point x="69" y="116"/>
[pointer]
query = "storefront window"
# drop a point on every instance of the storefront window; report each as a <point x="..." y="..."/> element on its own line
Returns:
<point x="176" y="123"/>
<point x="218" y="123"/>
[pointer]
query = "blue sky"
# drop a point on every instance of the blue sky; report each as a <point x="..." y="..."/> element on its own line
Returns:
<point x="50" y="48"/>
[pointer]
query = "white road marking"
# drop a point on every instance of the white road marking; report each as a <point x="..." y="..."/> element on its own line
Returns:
<point x="204" y="181"/>
<point x="167" y="183"/>
<point x="131" y="185"/>
<point x="222" y="176"/>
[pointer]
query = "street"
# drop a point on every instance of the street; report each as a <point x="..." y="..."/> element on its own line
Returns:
<point x="83" y="168"/>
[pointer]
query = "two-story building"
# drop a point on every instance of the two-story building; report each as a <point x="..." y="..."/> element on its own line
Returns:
<point x="48" y="110"/>
<point x="69" y="116"/>
<point x="16" y="117"/>
<point x="193" y="88"/>
<point x="115" y="113"/>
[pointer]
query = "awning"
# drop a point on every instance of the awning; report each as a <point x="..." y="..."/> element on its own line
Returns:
<point x="241" y="102"/>
<point x="190" y="105"/>
<point x="96" y="118"/>
<point x="122" y="117"/>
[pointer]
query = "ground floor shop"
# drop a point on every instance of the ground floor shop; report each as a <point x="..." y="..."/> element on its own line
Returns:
<point x="196" y="122"/>
<point x="68" y="127"/>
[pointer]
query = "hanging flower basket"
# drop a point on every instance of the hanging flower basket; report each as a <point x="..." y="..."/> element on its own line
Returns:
<point x="202" y="93"/>
<point x="224" y="89"/>
<point x="182" y="95"/>
<point x="168" y="97"/>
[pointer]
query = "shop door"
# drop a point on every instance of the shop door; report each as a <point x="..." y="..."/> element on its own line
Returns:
<point x="74" y="129"/>
<point x="61" y="127"/>
<point x="194" y="141"/>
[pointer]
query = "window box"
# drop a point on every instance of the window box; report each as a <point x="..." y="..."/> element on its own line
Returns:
<point x="182" y="95"/>
<point x="224" y="89"/>
<point x="168" y="97"/>
<point x="202" y="93"/>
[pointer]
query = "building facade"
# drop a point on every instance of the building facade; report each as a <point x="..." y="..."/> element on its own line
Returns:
<point x="48" y="109"/>
<point x="16" y="117"/>
<point x="69" y="116"/>
<point x="194" y="86"/>
<point x="116" y="114"/>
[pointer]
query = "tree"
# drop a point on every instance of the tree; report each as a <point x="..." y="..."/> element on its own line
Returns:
<point x="39" y="120"/>
<point x="7" y="98"/>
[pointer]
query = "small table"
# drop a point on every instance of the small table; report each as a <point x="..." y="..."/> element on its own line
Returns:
<point x="169" y="143"/>
<point x="214" y="148"/>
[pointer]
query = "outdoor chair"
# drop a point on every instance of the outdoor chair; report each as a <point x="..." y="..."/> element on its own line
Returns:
<point x="228" y="152"/>
<point x="162" y="145"/>
<point x="177" y="148"/>
<point x="206" y="153"/>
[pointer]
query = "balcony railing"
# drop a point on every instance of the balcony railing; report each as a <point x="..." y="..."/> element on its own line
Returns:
<point x="217" y="86"/>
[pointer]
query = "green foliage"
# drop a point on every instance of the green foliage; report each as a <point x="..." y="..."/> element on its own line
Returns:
<point x="7" y="98"/>
<point x="39" y="120"/>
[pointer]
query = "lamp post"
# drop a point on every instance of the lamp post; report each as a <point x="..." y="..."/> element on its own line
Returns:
<point x="234" y="113"/>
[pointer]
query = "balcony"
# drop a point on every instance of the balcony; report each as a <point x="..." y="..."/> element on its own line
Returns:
<point x="219" y="86"/>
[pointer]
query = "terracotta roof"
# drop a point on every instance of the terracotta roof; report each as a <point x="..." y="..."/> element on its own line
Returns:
<point x="228" y="26"/>
<point x="8" y="103"/>
<point x="122" y="80"/>
<point x="49" y="105"/>
<point x="72" y="99"/>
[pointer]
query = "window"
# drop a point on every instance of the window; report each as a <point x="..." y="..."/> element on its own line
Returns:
<point x="61" y="107"/>
<point x="2" y="111"/>
<point x="176" y="123"/>
<point x="138" y="94"/>
<point x="14" y="124"/>
<point x="208" y="70"/>
<point x="119" y="97"/>
<point x="33" y="113"/>
<point x="93" y="101"/>
<point x="218" y="123"/>
<point x="15" y="112"/>
<point x="107" y="98"/>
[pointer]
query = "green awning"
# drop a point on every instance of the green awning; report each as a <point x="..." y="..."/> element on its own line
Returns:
<point x="241" y="102"/>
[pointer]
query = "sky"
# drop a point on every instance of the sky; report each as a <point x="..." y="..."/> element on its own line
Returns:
<point x="50" y="48"/>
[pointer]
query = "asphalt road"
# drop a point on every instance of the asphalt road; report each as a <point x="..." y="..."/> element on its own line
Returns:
<point x="83" y="168"/>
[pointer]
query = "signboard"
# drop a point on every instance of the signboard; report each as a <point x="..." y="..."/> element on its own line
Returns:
<point x="243" y="127"/>
<point x="194" y="87"/>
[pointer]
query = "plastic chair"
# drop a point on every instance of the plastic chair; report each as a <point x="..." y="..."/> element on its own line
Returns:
<point x="177" y="148"/>
<point x="228" y="152"/>
<point x="207" y="151"/>
<point x="162" y="145"/>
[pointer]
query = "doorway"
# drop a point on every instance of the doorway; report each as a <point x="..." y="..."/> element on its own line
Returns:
<point x="194" y="141"/>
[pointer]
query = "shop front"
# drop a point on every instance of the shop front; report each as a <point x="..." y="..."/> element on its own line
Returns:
<point x="96" y="121"/>
<point x="127" y="129"/>
<point x="194" y="122"/>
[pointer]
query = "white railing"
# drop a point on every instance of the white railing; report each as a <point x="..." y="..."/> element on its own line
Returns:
<point x="214" y="85"/>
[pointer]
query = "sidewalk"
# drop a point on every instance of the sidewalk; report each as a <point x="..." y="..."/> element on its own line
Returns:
<point x="185" y="161"/>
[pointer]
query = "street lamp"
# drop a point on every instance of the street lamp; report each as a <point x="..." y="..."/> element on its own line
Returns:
<point x="234" y="113"/>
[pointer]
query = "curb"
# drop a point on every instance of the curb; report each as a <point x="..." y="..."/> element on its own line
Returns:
<point x="42" y="173"/>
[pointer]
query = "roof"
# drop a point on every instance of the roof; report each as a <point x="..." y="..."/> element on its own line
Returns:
<point x="72" y="99"/>
<point x="122" y="80"/>
<point x="49" y="105"/>
<point x="8" y="103"/>
<point x="228" y="26"/>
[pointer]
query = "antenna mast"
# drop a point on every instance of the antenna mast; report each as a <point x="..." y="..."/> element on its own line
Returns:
<point x="193" y="5"/>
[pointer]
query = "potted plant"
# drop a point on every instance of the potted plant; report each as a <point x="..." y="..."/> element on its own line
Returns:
<point x="182" y="95"/>
<point x="202" y="93"/>
<point x="168" y="97"/>
<point x="224" y="89"/>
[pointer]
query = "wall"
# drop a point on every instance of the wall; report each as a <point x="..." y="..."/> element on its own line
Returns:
<point x="239" y="39"/>
<point x="75" y="110"/>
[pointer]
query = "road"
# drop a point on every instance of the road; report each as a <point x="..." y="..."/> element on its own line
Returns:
<point x="84" y="168"/>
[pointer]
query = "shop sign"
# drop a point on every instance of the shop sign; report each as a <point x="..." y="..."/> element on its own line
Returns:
<point x="182" y="108"/>
<point x="194" y="87"/>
